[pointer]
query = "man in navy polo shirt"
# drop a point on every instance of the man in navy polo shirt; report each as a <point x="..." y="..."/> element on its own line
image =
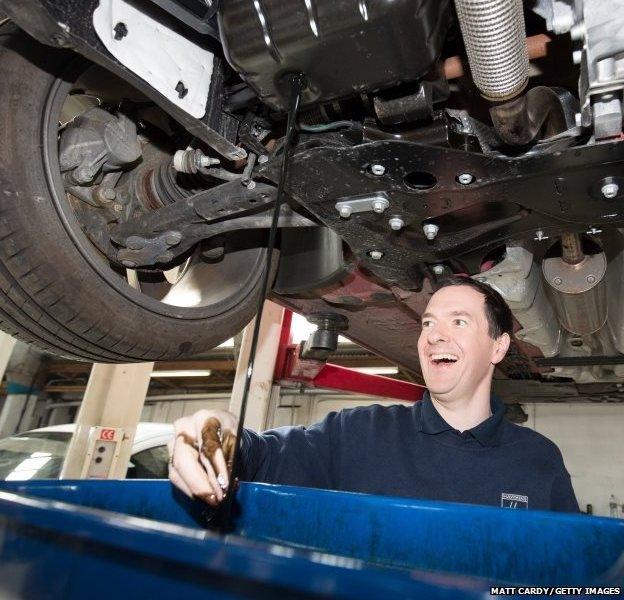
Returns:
<point x="455" y="445"/>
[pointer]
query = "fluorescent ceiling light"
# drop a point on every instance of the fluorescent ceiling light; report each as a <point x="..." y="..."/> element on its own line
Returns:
<point x="186" y="373"/>
<point x="389" y="370"/>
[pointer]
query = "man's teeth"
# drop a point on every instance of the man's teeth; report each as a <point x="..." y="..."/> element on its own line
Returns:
<point x="445" y="357"/>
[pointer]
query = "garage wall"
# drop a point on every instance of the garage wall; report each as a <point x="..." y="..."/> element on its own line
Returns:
<point x="590" y="437"/>
<point x="305" y="409"/>
<point x="170" y="410"/>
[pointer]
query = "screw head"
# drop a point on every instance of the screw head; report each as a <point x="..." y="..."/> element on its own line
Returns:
<point x="121" y="31"/>
<point x="379" y="206"/>
<point x="377" y="169"/>
<point x="135" y="243"/>
<point x="610" y="190"/>
<point x="438" y="269"/>
<point x="213" y="253"/>
<point x="430" y="230"/>
<point x="465" y="178"/>
<point x="173" y="238"/>
<point x="165" y="257"/>
<point x="557" y="281"/>
<point x="181" y="89"/>
<point x="591" y="279"/>
<point x="345" y="211"/>
<point x="82" y="174"/>
<point x="262" y="159"/>
<point x="58" y="39"/>
<point x="375" y="254"/>
<point x="396" y="223"/>
<point x="106" y="195"/>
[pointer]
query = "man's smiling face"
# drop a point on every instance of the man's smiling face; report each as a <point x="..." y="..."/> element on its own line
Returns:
<point x="457" y="354"/>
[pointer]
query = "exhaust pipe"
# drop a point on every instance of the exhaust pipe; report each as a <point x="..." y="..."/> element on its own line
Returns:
<point x="495" y="39"/>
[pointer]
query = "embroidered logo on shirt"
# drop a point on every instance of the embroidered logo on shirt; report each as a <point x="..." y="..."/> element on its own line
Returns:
<point x="514" y="501"/>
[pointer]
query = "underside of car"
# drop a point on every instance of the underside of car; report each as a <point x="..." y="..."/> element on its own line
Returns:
<point x="144" y="141"/>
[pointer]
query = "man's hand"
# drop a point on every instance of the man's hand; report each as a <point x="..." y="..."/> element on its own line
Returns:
<point x="201" y="454"/>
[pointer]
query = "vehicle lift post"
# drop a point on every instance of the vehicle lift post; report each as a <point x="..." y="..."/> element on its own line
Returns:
<point x="107" y="420"/>
<point x="7" y="343"/>
<point x="262" y="386"/>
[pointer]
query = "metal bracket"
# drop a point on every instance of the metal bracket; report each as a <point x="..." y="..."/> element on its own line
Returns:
<point x="160" y="235"/>
<point x="375" y="203"/>
<point x="142" y="250"/>
<point x="179" y="69"/>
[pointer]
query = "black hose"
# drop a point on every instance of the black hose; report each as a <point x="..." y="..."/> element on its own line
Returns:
<point x="328" y="126"/>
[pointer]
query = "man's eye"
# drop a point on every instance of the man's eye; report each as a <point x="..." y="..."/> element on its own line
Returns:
<point x="460" y="322"/>
<point x="426" y="324"/>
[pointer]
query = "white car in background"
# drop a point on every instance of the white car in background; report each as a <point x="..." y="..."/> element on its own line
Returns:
<point x="39" y="453"/>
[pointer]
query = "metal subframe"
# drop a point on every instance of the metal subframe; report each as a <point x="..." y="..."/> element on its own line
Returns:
<point x="507" y="199"/>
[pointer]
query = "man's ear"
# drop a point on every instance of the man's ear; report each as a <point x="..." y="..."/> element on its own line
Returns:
<point x="501" y="345"/>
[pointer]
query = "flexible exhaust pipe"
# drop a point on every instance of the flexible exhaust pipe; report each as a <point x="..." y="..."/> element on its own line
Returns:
<point x="571" y="248"/>
<point x="495" y="39"/>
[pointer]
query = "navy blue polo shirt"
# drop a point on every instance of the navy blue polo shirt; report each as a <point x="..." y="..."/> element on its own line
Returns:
<point x="412" y="451"/>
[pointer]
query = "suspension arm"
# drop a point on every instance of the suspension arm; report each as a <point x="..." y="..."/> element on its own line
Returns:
<point x="160" y="235"/>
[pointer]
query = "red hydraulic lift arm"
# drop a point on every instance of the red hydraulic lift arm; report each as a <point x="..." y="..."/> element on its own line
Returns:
<point x="291" y="368"/>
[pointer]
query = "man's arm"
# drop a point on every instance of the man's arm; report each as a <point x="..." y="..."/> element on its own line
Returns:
<point x="300" y="456"/>
<point x="562" y="496"/>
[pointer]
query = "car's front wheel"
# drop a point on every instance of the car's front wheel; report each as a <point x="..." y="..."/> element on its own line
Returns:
<point x="57" y="289"/>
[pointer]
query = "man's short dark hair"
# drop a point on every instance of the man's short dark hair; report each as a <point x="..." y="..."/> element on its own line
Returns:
<point x="498" y="314"/>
